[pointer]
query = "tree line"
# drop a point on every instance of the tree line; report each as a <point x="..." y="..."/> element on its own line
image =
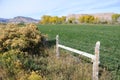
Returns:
<point x="47" y="19"/>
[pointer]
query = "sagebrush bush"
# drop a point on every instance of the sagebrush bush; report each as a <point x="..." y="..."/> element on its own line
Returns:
<point x="27" y="39"/>
<point x="21" y="51"/>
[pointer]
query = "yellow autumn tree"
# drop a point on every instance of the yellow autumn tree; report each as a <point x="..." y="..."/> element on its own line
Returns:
<point x="46" y="19"/>
<point x="86" y="19"/>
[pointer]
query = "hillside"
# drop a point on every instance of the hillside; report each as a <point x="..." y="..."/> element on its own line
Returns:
<point x="19" y="19"/>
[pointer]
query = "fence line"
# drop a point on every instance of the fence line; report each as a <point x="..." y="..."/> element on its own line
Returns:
<point x="95" y="58"/>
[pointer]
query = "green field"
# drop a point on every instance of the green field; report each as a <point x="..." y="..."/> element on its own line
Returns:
<point x="84" y="37"/>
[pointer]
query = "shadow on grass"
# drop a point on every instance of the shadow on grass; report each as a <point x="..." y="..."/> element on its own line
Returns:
<point x="50" y="43"/>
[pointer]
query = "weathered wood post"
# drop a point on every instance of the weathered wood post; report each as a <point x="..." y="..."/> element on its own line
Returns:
<point x="96" y="61"/>
<point x="57" y="48"/>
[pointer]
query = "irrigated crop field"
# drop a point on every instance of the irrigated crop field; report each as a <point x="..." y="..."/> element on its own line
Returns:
<point x="84" y="37"/>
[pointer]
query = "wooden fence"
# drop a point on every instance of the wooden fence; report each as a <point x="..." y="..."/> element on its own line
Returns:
<point x="95" y="58"/>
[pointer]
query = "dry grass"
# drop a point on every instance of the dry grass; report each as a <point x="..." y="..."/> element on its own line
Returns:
<point x="3" y="74"/>
<point x="68" y="67"/>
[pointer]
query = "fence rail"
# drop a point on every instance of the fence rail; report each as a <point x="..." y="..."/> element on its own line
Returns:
<point x="95" y="58"/>
<point x="77" y="51"/>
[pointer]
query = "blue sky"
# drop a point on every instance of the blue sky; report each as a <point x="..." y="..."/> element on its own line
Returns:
<point x="37" y="8"/>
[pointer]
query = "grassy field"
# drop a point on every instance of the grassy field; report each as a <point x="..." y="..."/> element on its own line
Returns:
<point x="84" y="37"/>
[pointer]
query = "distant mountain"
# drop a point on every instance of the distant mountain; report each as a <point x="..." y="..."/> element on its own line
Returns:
<point x="19" y="19"/>
<point x="3" y="20"/>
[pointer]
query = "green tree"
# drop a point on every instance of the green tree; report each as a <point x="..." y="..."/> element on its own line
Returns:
<point x="115" y="17"/>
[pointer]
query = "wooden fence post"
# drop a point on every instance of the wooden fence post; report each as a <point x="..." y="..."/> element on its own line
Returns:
<point x="57" y="48"/>
<point x="96" y="61"/>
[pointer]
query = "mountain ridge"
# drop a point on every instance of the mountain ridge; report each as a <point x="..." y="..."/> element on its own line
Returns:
<point x="19" y="19"/>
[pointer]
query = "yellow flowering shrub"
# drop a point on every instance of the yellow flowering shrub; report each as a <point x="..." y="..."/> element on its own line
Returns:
<point x="34" y="76"/>
<point x="27" y="39"/>
<point x="17" y="47"/>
